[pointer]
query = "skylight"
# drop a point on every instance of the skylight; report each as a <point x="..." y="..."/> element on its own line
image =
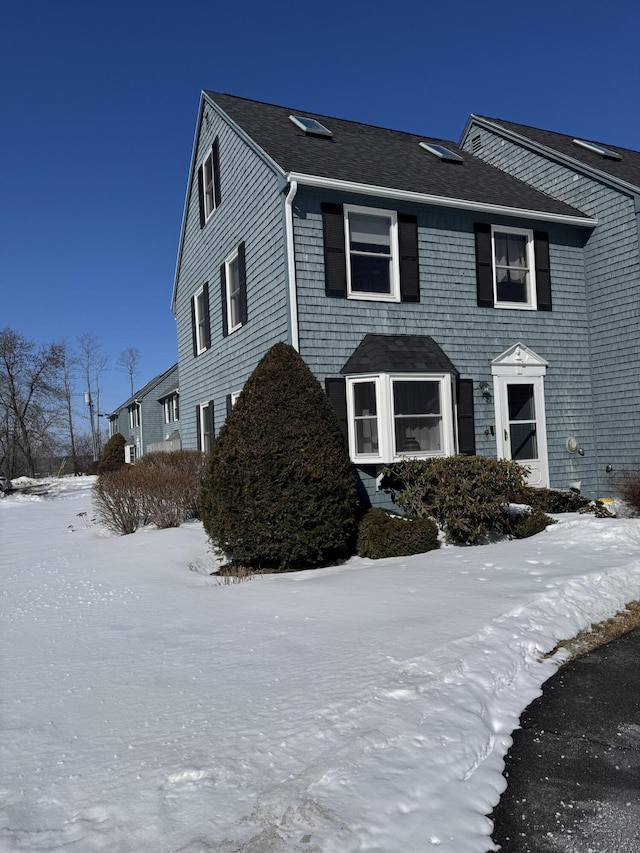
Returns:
<point x="599" y="149"/>
<point x="311" y="126"/>
<point x="441" y="152"/>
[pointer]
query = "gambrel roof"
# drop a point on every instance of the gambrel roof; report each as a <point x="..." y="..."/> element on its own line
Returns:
<point x="625" y="170"/>
<point x="371" y="156"/>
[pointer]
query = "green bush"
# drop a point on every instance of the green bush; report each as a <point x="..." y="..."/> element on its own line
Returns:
<point x="279" y="492"/>
<point x="466" y="495"/>
<point x="384" y="533"/>
<point x="529" y="523"/>
<point x="552" y="500"/>
<point x="113" y="451"/>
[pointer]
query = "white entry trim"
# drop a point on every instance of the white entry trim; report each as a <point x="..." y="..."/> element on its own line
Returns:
<point x="520" y="365"/>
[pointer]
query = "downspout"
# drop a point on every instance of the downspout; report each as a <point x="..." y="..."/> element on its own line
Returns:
<point x="291" y="265"/>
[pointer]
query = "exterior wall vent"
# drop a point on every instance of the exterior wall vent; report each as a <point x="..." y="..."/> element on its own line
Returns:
<point x="476" y="144"/>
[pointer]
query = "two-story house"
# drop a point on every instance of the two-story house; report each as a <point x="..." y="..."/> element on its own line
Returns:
<point x="150" y="419"/>
<point x="603" y="181"/>
<point x="441" y="301"/>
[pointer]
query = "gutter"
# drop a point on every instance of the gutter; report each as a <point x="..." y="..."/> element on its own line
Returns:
<point x="291" y="265"/>
<point x="441" y="201"/>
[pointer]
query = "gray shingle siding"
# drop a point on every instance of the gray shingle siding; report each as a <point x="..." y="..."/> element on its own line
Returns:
<point x="152" y="427"/>
<point x="612" y="275"/>
<point x="330" y="329"/>
<point x="251" y="210"/>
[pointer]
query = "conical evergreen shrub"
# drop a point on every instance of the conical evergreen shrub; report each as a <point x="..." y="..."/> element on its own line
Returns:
<point x="113" y="450"/>
<point x="279" y="493"/>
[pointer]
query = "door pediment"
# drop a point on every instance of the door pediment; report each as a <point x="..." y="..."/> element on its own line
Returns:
<point x="519" y="360"/>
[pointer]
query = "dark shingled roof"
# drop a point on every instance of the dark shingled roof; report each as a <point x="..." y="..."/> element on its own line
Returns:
<point x="627" y="169"/>
<point x="398" y="354"/>
<point x="142" y="392"/>
<point x="377" y="156"/>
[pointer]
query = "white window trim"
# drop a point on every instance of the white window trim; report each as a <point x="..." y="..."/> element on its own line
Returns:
<point x="134" y="416"/>
<point x="234" y="397"/>
<point x="202" y="420"/>
<point x="385" y="416"/>
<point x="209" y="200"/>
<point x="394" y="273"/>
<point x="227" y="269"/>
<point x="200" y="348"/>
<point x="170" y="405"/>
<point x="532" y="304"/>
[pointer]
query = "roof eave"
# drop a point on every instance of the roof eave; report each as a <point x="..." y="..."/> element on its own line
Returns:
<point x="442" y="201"/>
<point x="578" y="165"/>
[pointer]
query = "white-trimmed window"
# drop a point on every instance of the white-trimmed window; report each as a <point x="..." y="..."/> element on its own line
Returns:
<point x="396" y="415"/>
<point x="233" y="292"/>
<point x="205" y="427"/>
<point x="201" y="320"/>
<point x="208" y="185"/>
<point x="513" y="267"/>
<point x="130" y="453"/>
<point x="134" y="415"/>
<point x="373" y="270"/>
<point x="171" y="410"/>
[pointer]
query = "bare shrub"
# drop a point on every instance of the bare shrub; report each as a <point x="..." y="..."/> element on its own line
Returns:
<point x="166" y="495"/>
<point x="626" y="485"/>
<point x="117" y="501"/>
<point x="182" y="470"/>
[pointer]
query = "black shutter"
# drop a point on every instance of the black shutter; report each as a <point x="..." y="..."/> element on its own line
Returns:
<point x="211" y="421"/>
<point x="216" y="173"/>
<point x="201" y="197"/>
<point x="229" y="406"/>
<point x="223" y="300"/>
<point x="466" y="419"/>
<point x="242" y="275"/>
<point x="409" y="271"/>
<point x="543" y="270"/>
<point x="194" y="331"/>
<point x="207" y="317"/>
<point x="336" y="389"/>
<point x="198" y="430"/>
<point x="484" y="264"/>
<point x="335" y="270"/>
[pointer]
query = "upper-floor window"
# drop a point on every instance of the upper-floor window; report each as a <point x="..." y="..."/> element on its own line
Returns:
<point x="233" y="282"/>
<point x="512" y="267"/>
<point x="209" y="183"/>
<point x="134" y="415"/>
<point x="170" y="407"/>
<point x="391" y="416"/>
<point x="370" y="253"/>
<point x="200" y="320"/>
<point x="372" y="270"/>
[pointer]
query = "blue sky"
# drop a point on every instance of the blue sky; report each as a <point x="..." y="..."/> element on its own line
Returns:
<point x="99" y="103"/>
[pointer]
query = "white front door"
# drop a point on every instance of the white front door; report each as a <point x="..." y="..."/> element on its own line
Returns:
<point x="521" y="430"/>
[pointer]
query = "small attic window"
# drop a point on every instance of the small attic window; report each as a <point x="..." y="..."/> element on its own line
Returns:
<point x="599" y="149"/>
<point x="441" y="152"/>
<point x="311" y="126"/>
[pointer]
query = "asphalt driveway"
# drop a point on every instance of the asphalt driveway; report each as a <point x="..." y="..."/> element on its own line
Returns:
<point x="573" y="771"/>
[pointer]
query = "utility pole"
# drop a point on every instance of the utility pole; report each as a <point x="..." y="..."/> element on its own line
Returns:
<point x="89" y="402"/>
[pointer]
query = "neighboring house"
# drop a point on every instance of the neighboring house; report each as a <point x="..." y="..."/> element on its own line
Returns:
<point x="150" y="419"/>
<point x="603" y="181"/>
<point x="441" y="302"/>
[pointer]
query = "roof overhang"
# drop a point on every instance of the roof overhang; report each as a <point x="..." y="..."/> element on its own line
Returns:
<point x="442" y="201"/>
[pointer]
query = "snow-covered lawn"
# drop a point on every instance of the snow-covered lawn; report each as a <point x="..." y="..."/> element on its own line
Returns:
<point x="146" y="706"/>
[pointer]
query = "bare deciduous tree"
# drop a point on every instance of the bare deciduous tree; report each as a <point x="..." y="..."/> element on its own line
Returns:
<point x="92" y="362"/>
<point x="29" y="401"/>
<point x="129" y="359"/>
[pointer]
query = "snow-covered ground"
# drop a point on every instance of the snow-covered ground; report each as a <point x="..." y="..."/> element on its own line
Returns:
<point x="147" y="706"/>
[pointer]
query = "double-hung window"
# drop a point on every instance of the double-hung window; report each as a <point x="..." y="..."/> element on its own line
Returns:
<point x="209" y="184"/>
<point x="233" y="283"/>
<point x="134" y="415"/>
<point x="395" y="415"/>
<point x="171" y="412"/>
<point x="513" y="267"/>
<point x="205" y="426"/>
<point x="372" y="247"/>
<point x="200" y="319"/>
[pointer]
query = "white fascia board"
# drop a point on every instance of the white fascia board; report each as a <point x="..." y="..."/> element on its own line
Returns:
<point x="565" y="159"/>
<point x="442" y="201"/>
